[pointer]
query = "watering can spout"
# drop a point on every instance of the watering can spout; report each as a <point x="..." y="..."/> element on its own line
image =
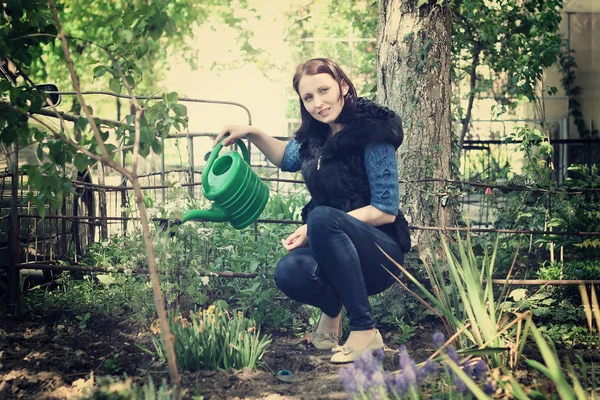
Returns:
<point x="214" y="214"/>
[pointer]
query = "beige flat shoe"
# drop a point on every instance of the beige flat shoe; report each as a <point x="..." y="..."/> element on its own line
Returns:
<point x="347" y="354"/>
<point x="326" y="340"/>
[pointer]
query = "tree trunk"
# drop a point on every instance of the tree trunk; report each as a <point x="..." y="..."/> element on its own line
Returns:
<point x="413" y="64"/>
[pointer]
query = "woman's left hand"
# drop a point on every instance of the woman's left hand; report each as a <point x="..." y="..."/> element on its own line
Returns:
<point x="297" y="239"/>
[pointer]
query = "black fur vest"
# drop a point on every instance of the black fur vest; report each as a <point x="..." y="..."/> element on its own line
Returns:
<point x="333" y="168"/>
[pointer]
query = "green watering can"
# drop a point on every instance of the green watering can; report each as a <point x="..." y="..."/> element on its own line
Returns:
<point x="238" y="194"/>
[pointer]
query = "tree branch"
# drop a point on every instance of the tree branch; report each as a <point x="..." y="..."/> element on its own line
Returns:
<point x="473" y="83"/>
<point x="54" y="133"/>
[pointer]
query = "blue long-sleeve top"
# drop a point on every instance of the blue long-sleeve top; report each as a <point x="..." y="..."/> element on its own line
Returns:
<point x="380" y="165"/>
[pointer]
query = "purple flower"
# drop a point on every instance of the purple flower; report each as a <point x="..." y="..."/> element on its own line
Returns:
<point x="453" y="354"/>
<point x="405" y="360"/>
<point x="378" y="379"/>
<point x="488" y="388"/>
<point x="379" y="355"/>
<point x="438" y="339"/>
<point x="428" y="369"/>
<point x="347" y="379"/>
<point x="390" y="381"/>
<point x="459" y="385"/>
<point x="361" y="379"/>
<point x="468" y="368"/>
<point x="363" y="374"/>
<point x="410" y="374"/>
<point x="400" y="384"/>
<point x="480" y="369"/>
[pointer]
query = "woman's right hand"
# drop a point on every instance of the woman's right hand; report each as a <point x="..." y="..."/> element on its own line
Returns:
<point x="235" y="132"/>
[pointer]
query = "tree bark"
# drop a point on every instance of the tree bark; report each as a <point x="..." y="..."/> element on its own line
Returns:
<point x="413" y="65"/>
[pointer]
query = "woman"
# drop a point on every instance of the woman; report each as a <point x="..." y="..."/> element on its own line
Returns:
<point x="346" y="150"/>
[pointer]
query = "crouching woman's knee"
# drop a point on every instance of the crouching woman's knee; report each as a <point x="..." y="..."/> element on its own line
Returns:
<point x="323" y="217"/>
<point x="284" y="274"/>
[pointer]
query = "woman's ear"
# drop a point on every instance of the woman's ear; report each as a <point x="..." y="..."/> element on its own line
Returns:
<point x="345" y="88"/>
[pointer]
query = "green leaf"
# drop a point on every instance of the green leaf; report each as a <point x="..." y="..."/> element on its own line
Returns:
<point x="81" y="123"/>
<point x="518" y="294"/>
<point x="179" y="109"/>
<point x="115" y="85"/>
<point x="157" y="147"/>
<point x="99" y="71"/>
<point x="141" y="50"/>
<point x="172" y="97"/>
<point x="420" y="3"/>
<point x="81" y="162"/>
<point x="130" y="81"/>
<point x="106" y="279"/>
<point x="125" y="35"/>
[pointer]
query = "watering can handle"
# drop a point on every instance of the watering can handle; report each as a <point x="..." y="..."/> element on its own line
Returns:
<point x="215" y="153"/>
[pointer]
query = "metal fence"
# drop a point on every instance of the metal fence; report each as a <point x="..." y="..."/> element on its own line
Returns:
<point x="29" y="242"/>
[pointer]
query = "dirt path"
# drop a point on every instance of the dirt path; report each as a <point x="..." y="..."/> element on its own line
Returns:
<point x="46" y="358"/>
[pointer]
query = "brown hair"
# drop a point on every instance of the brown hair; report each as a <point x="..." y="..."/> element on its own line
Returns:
<point x="316" y="66"/>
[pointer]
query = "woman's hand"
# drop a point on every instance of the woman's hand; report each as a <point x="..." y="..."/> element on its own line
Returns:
<point x="297" y="239"/>
<point x="272" y="148"/>
<point x="235" y="132"/>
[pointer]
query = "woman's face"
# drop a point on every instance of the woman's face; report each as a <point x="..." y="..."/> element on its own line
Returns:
<point x="320" y="95"/>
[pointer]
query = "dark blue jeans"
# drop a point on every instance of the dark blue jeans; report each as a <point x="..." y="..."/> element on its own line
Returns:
<point x="340" y="267"/>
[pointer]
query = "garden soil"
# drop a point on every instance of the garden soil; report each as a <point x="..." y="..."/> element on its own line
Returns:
<point x="44" y="357"/>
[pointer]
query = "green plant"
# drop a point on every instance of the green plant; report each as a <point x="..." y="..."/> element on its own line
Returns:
<point x="445" y="376"/>
<point x="83" y="319"/>
<point x="111" y="389"/>
<point x="463" y="297"/>
<point x="399" y="311"/>
<point x="214" y="339"/>
<point x="571" y="335"/>
<point x="487" y="166"/>
<point x="112" y="364"/>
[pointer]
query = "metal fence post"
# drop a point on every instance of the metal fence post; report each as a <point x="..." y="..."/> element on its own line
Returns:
<point x="190" y="143"/>
<point x="162" y="172"/>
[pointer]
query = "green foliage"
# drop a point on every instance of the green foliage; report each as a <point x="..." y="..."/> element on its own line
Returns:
<point x="111" y="389"/>
<point x="463" y="297"/>
<point x="577" y="211"/>
<point x="587" y="269"/>
<point x="552" y="368"/>
<point x="484" y="166"/>
<point x="83" y="320"/>
<point x="515" y="41"/>
<point x="545" y="205"/>
<point x="399" y="311"/>
<point x="112" y="364"/>
<point x="571" y="335"/>
<point x="567" y="65"/>
<point x="214" y="339"/>
<point x="112" y="44"/>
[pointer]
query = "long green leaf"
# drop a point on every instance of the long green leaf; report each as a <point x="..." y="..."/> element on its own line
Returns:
<point x="553" y="365"/>
<point x="516" y="389"/>
<point x="457" y="280"/>
<point x="484" y="352"/>
<point x="473" y="387"/>
<point x="445" y="311"/>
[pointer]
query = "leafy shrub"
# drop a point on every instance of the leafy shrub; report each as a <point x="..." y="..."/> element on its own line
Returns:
<point x="589" y="269"/>
<point x="214" y="339"/>
<point x="569" y="270"/>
